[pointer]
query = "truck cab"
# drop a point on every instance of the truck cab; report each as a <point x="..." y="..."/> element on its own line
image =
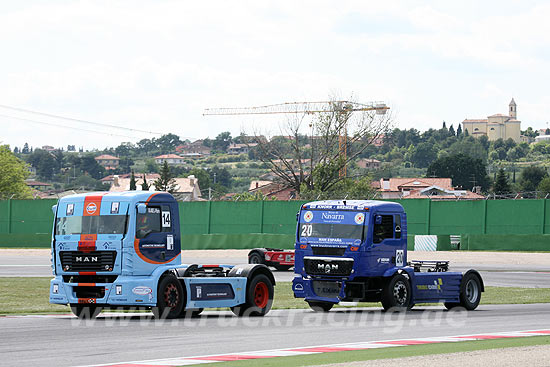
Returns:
<point x="356" y="250"/>
<point x="113" y="250"/>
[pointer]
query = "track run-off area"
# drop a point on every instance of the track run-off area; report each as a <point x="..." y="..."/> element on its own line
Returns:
<point x="64" y="340"/>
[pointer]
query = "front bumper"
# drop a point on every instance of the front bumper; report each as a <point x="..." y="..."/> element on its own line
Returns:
<point x="124" y="291"/>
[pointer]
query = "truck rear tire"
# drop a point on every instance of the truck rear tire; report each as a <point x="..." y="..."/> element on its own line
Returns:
<point x="256" y="258"/>
<point x="470" y="292"/>
<point x="320" y="306"/>
<point x="397" y="293"/>
<point x="259" y="297"/>
<point x="170" y="298"/>
<point x="85" y="312"/>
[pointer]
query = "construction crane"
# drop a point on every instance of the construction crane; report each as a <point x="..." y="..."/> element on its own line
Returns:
<point x="307" y="108"/>
<point x="300" y="107"/>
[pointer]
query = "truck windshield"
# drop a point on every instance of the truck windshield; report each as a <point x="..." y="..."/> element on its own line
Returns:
<point x="331" y="230"/>
<point x="332" y="226"/>
<point x="100" y="224"/>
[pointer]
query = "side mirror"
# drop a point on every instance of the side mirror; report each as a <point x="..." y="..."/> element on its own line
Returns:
<point x="54" y="209"/>
<point x="141" y="208"/>
<point x="378" y="219"/>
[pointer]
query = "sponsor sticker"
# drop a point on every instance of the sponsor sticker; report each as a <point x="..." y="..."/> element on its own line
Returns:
<point x="142" y="290"/>
<point x="170" y="242"/>
<point x="359" y="218"/>
<point x="114" y="207"/>
<point x="308" y="217"/>
<point x="91" y="208"/>
<point x="70" y="209"/>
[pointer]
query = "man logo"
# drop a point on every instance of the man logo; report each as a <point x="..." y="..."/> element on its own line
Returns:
<point x="308" y="216"/>
<point x="91" y="208"/>
<point x="86" y="259"/>
<point x="327" y="268"/>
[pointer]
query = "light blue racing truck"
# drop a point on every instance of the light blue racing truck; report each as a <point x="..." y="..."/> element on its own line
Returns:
<point x="356" y="250"/>
<point x="123" y="250"/>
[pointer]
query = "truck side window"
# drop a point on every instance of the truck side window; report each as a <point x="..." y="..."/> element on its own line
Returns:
<point x="383" y="230"/>
<point x="397" y="218"/>
<point x="150" y="222"/>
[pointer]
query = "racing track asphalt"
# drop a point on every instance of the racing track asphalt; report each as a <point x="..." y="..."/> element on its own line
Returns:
<point x="529" y="276"/>
<point x="63" y="340"/>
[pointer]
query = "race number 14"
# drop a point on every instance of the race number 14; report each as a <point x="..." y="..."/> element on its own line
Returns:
<point x="166" y="219"/>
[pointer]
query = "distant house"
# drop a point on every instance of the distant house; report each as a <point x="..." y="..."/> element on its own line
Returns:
<point x="41" y="186"/>
<point x="397" y="188"/>
<point x="171" y="159"/>
<point x="273" y="189"/>
<point x="438" y="193"/>
<point x="240" y="148"/>
<point x="196" y="147"/>
<point x="187" y="188"/>
<point x="422" y="188"/>
<point x="107" y="161"/>
<point x="368" y="163"/>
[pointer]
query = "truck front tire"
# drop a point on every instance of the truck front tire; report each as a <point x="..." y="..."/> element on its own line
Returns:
<point x="170" y="298"/>
<point x="259" y="297"/>
<point x="397" y="293"/>
<point x="320" y="306"/>
<point x="85" y="311"/>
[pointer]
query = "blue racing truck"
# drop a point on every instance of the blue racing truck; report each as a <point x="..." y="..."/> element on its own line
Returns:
<point x="356" y="250"/>
<point x="123" y="250"/>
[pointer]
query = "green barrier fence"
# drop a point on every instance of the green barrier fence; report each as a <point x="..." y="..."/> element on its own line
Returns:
<point x="29" y="222"/>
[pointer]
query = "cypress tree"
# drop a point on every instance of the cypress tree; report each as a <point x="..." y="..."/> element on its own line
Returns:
<point x="502" y="186"/>
<point x="132" y="182"/>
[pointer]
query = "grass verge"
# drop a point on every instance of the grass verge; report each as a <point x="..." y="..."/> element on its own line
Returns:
<point x="387" y="353"/>
<point x="31" y="295"/>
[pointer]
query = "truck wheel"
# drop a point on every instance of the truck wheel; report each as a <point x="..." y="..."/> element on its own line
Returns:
<point x="259" y="298"/>
<point x="450" y="305"/>
<point x="85" y="312"/>
<point x="169" y="298"/>
<point x="255" y="258"/>
<point x="396" y="293"/>
<point x="470" y="292"/>
<point x="319" y="306"/>
<point x="283" y="267"/>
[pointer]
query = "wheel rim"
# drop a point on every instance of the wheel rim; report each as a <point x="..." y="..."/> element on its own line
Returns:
<point x="171" y="296"/>
<point x="254" y="259"/>
<point x="472" y="291"/>
<point x="400" y="293"/>
<point x="261" y="295"/>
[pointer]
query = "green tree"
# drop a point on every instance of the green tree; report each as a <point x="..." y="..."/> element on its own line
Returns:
<point x="531" y="177"/>
<point x="424" y="154"/>
<point x="203" y="177"/>
<point x="44" y="162"/>
<point x="13" y="172"/>
<point x="544" y="186"/>
<point x="151" y="166"/>
<point x="462" y="169"/>
<point x="459" y="131"/>
<point x="144" y="185"/>
<point x="222" y="141"/>
<point x="452" y="129"/>
<point x="133" y="182"/>
<point x="502" y="186"/>
<point x="165" y="182"/>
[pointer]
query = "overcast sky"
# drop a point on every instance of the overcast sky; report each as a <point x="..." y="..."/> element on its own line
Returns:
<point x="155" y="65"/>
